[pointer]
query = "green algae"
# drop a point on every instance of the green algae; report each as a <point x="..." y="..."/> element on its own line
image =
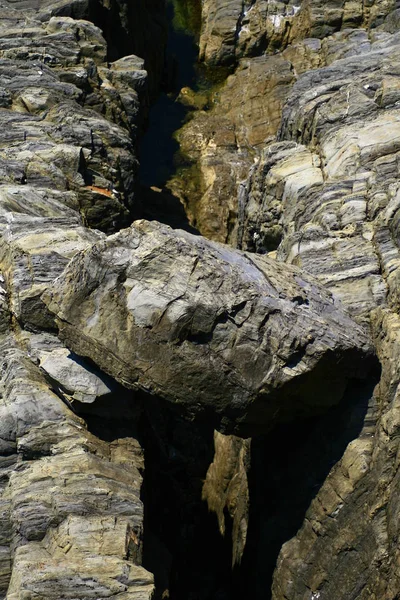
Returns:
<point x="187" y="16"/>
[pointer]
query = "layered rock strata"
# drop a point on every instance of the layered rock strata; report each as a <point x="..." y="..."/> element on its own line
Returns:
<point x="233" y="30"/>
<point x="71" y="513"/>
<point x="235" y="338"/>
<point x="324" y="195"/>
<point x="322" y="192"/>
<point x="243" y="117"/>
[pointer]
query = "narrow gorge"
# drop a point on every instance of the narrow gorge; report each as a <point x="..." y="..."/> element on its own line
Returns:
<point x="199" y="314"/>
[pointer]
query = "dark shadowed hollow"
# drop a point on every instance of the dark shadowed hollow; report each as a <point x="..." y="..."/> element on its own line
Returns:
<point x="182" y="543"/>
<point x="288" y="468"/>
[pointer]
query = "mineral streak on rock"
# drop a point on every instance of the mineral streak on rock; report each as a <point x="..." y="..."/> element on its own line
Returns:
<point x="208" y="327"/>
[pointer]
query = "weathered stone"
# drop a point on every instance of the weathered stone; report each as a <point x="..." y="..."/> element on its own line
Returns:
<point x="74" y="377"/>
<point x="223" y="142"/>
<point x="207" y="327"/>
<point x="325" y="195"/>
<point x="71" y="518"/>
<point x="54" y="458"/>
<point x="231" y="30"/>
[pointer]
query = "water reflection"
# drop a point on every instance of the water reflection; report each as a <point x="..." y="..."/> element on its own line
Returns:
<point x="167" y="115"/>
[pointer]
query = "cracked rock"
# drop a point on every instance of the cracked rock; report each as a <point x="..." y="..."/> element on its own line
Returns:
<point x="220" y="332"/>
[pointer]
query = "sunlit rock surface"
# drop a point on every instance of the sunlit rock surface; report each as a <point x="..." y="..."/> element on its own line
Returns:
<point x="324" y="195"/>
<point x="295" y="154"/>
<point x="207" y="327"/>
<point x="71" y="515"/>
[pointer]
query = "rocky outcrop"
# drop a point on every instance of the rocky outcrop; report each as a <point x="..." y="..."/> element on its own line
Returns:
<point x="139" y="28"/>
<point x="296" y="154"/>
<point x="64" y="163"/>
<point x="223" y="142"/>
<point x="330" y="182"/>
<point x="244" y="116"/>
<point x="70" y="501"/>
<point x="232" y="30"/>
<point x="324" y="195"/>
<point x="209" y="328"/>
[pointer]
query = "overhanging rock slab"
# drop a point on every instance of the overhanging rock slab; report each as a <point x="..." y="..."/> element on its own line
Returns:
<point x="240" y="338"/>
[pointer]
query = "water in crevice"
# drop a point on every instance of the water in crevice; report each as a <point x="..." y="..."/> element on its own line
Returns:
<point x="159" y="155"/>
<point x="167" y="115"/>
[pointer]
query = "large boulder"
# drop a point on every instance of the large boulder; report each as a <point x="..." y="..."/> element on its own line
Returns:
<point x="238" y="337"/>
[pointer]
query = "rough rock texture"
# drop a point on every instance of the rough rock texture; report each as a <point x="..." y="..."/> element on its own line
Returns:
<point x="63" y="162"/>
<point x="207" y="327"/>
<point x="226" y="489"/>
<point x="298" y="155"/>
<point x="233" y="29"/>
<point x="57" y="475"/>
<point x="71" y="521"/>
<point x="324" y="194"/>
<point x="223" y="142"/>
<point x="244" y="115"/>
<point x="138" y="27"/>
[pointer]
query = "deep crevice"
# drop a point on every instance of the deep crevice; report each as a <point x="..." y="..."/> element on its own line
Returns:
<point x="288" y="468"/>
<point x="159" y="150"/>
<point x="178" y="525"/>
<point x="182" y="543"/>
<point x="183" y="546"/>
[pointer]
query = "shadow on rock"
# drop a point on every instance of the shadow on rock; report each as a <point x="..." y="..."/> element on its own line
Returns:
<point x="161" y="205"/>
<point x="288" y="467"/>
<point x="183" y="546"/>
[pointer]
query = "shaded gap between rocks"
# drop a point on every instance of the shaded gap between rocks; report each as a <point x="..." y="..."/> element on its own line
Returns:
<point x="182" y="543"/>
<point x="158" y="147"/>
<point x="164" y="34"/>
<point x="288" y="468"/>
<point x="183" y="546"/>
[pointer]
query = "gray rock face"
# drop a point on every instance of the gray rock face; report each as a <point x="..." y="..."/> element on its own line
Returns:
<point x="225" y="141"/>
<point x="60" y="488"/>
<point x="71" y="518"/>
<point x="62" y="367"/>
<point x="324" y="195"/>
<point x="328" y="188"/>
<point x="58" y="88"/>
<point x="64" y="163"/>
<point x="240" y="340"/>
<point x="207" y="327"/>
<point x="232" y="30"/>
